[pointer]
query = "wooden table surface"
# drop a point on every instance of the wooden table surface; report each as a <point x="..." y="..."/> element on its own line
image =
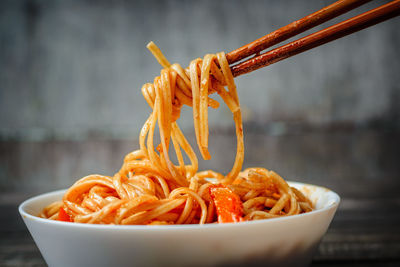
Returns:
<point x="364" y="232"/>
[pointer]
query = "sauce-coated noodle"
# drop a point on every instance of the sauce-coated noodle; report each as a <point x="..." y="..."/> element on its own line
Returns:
<point x="151" y="189"/>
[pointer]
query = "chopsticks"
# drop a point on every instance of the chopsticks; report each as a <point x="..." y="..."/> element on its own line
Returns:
<point x="357" y="23"/>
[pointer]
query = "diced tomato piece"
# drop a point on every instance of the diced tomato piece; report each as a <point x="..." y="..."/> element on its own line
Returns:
<point x="228" y="205"/>
<point x="63" y="216"/>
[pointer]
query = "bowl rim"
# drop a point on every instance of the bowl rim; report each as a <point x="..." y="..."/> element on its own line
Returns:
<point x="25" y="215"/>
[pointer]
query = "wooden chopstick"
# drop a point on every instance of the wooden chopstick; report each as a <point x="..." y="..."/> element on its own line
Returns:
<point x="294" y="28"/>
<point x="362" y="21"/>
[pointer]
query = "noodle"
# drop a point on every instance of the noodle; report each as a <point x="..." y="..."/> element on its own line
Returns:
<point x="151" y="189"/>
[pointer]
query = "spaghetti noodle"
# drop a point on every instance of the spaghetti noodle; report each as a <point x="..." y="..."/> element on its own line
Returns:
<point x="150" y="189"/>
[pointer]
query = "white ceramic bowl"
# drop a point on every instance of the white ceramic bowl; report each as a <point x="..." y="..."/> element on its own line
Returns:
<point x="285" y="241"/>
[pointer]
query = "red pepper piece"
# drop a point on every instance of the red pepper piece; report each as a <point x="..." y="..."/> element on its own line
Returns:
<point x="228" y="205"/>
<point x="63" y="216"/>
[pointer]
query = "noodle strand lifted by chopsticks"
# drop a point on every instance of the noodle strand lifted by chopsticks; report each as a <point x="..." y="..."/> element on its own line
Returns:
<point x="150" y="189"/>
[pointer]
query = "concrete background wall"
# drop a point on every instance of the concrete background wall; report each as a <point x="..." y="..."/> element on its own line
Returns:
<point x="71" y="73"/>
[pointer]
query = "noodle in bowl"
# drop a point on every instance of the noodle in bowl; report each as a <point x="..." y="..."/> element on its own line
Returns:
<point x="150" y="188"/>
<point x="154" y="212"/>
<point x="284" y="241"/>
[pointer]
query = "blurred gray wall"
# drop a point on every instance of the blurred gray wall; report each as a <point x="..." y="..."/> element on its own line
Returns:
<point x="71" y="73"/>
